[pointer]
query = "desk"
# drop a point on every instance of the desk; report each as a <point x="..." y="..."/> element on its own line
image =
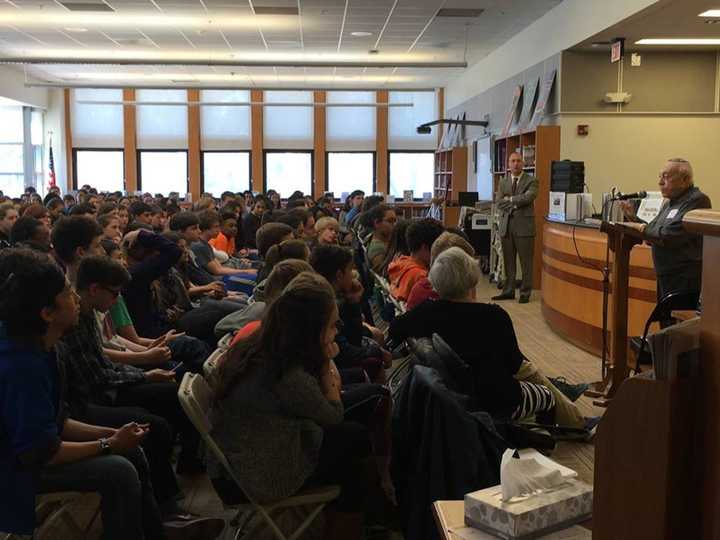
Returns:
<point x="572" y="296"/>
<point x="452" y="514"/>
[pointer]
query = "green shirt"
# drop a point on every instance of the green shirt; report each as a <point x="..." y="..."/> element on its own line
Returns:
<point x="119" y="314"/>
<point x="376" y="253"/>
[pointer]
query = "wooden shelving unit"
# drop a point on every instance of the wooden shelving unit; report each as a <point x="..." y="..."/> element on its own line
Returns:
<point x="450" y="179"/>
<point x="538" y="148"/>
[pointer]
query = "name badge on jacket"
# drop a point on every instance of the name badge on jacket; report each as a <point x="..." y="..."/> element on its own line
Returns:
<point x="672" y="213"/>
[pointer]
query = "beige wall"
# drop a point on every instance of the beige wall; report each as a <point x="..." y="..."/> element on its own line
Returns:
<point x="628" y="151"/>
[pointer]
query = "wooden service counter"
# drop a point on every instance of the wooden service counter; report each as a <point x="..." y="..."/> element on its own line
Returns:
<point x="572" y="291"/>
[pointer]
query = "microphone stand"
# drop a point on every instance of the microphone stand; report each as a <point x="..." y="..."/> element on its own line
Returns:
<point x="598" y="388"/>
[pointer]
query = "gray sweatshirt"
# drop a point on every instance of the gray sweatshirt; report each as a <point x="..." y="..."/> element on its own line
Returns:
<point x="272" y="437"/>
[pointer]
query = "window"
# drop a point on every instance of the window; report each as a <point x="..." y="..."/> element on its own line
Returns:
<point x="348" y="171"/>
<point x="163" y="171"/>
<point x="225" y="127"/>
<point x="97" y="126"/>
<point x="225" y="171"/>
<point x="351" y="128"/>
<point x="403" y="121"/>
<point x="36" y="143"/>
<point x="12" y="178"/>
<point x="288" y="127"/>
<point x="162" y="126"/>
<point x="102" y="169"/>
<point x="411" y="170"/>
<point x="286" y="172"/>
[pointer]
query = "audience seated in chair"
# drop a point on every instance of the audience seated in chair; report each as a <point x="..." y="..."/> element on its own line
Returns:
<point x="327" y="231"/>
<point x="209" y="223"/>
<point x="57" y="452"/>
<point x="422" y="290"/>
<point x="287" y="249"/>
<point x="355" y="339"/>
<point x="94" y="379"/>
<point x="246" y="321"/>
<point x="506" y="385"/>
<point x="279" y="414"/>
<point x="381" y="220"/>
<point x="407" y="270"/>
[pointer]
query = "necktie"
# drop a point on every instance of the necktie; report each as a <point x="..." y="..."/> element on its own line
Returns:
<point x="515" y="183"/>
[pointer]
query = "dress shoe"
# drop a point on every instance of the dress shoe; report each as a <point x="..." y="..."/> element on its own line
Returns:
<point x="523" y="299"/>
<point x="504" y="296"/>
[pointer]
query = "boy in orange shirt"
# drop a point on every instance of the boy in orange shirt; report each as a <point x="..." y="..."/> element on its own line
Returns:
<point x="405" y="271"/>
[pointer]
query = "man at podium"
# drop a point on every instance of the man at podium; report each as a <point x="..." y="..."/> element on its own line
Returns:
<point x="677" y="254"/>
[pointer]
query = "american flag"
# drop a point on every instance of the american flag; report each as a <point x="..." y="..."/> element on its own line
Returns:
<point x="51" y="167"/>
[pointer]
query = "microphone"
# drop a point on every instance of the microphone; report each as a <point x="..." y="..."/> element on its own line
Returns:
<point x="625" y="196"/>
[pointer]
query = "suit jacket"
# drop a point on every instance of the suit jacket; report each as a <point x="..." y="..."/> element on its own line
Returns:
<point x="523" y="210"/>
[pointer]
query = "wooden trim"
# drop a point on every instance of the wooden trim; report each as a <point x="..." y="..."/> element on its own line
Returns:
<point x="130" y="141"/>
<point x="320" y="145"/>
<point x="70" y="177"/>
<point x="569" y="258"/>
<point x="635" y="293"/>
<point x="257" y="154"/>
<point x="441" y="112"/>
<point x="547" y="149"/>
<point x="381" y="143"/>
<point x="705" y="222"/>
<point x="579" y="333"/>
<point x="193" y="94"/>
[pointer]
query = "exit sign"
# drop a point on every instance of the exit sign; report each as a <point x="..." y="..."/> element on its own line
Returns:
<point x="616" y="50"/>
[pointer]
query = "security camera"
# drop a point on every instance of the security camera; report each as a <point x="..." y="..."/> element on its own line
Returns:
<point x="424" y="130"/>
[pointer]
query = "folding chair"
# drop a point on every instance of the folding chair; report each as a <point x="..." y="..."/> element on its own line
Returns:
<point x="681" y="300"/>
<point x="211" y="364"/>
<point x="51" y="508"/>
<point x="225" y="341"/>
<point x="195" y="397"/>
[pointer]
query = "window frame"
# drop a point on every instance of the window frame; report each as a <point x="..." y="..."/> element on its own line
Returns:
<point x="82" y="149"/>
<point x="202" y="165"/>
<point x="289" y="151"/>
<point x="139" y="153"/>
<point x="432" y="152"/>
<point x="374" y="168"/>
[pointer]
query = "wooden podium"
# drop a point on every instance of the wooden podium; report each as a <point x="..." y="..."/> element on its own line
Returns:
<point x="621" y="240"/>
<point x="657" y="472"/>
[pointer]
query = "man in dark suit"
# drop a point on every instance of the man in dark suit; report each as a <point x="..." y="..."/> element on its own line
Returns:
<point x="677" y="253"/>
<point x="515" y="201"/>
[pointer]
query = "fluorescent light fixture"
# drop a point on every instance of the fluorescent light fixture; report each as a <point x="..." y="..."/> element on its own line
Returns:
<point x="361" y="34"/>
<point x="183" y="78"/>
<point x="710" y="13"/>
<point x="679" y="41"/>
<point x="103" y="21"/>
<point x="75" y="29"/>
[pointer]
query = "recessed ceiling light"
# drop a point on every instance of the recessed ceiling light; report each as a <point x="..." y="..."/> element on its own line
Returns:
<point x="75" y="29"/>
<point x="710" y="13"/>
<point x="361" y="34"/>
<point x="679" y="41"/>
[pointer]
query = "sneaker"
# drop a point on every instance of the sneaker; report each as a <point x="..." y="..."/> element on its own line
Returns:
<point x="591" y="424"/>
<point x="194" y="529"/>
<point x="571" y="391"/>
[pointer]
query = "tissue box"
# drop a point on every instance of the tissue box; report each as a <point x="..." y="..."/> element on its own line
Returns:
<point x="530" y="517"/>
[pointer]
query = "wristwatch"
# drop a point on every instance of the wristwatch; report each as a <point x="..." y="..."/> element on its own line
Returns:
<point x="105" y="448"/>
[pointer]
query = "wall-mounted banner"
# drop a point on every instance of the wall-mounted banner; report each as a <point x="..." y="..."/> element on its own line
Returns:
<point x="512" y="112"/>
<point x="545" y="91"/>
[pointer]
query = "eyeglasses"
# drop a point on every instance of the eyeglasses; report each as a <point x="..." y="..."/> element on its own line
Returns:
<point x="114" y="292"/>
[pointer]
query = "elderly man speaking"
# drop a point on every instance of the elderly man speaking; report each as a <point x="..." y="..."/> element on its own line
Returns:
<point x="677" y="254"/>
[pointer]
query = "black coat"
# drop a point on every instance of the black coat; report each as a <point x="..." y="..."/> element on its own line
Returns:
<point x="440" y="450"/>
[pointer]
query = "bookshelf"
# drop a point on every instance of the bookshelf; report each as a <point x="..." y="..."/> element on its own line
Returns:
<point x="450" y="179"/>
<point x="538" y="148"/>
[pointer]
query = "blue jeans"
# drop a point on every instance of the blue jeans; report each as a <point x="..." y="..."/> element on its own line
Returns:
<point x="128" y="506"/>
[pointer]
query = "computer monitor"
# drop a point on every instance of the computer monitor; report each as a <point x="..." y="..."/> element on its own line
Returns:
<point x="468" y="198"/>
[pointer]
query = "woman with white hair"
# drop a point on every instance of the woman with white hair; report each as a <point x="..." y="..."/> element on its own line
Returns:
<point x="481" y="334"/>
